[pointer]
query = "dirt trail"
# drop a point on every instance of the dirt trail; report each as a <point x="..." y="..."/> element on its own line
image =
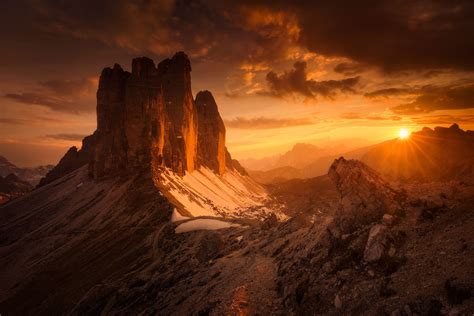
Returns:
<point x="257" y="293"/>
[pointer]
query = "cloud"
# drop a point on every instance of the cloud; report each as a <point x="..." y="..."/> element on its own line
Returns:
<point x="356" y="116"/>
<point x="69" y="96"/>
<point x="430" y="99"/>
<point x="266" y="122"/>
<point x="65" y="136"/>
<point x="390" y="92"/>
<point x="393" y="35"/>
<point x="68" y="87"/>
<point x="296" y="82"/>
<point x="443" y="119"/>
<point x="350" y="69"/>
<point x="32" y="121"/>
<point x="14" y="121"/>
<point x="137" y="26"/>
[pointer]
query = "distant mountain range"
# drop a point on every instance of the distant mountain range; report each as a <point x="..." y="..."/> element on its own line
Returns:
<point x="31" y="175"/>
<point x="438" y="154"/>
<point x="300" y="155"/>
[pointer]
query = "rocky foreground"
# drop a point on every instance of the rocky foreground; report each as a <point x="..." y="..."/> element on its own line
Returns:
<point x="383" y="250"/>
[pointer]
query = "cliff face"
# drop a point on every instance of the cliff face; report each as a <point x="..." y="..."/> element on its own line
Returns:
<point x="149" y="119"/>
<point x="211" y="133"/>
<point x="146" y="117"/>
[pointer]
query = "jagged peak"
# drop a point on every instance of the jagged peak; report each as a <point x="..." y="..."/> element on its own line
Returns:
<point x="178" y="62"/>
<point x="143" y="67"/>
<point x="205" y="99"/>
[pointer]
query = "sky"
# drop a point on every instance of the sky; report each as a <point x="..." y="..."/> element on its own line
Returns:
<point x="282" y="72"/>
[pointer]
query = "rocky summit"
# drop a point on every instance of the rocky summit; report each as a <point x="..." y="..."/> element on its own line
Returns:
<point x="149" y="119"/>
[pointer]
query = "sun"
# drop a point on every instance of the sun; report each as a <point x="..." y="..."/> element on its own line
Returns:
<point x="403" y="133"/>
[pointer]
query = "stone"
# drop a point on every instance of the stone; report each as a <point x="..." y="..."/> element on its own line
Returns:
<point x="337" y="302"/>
<point x="269" y="222"/>
<point x="392" y="251"/>
<point x="388" y="219"/>
<point x="407" y="310"/>
<point x="209" y="246"/>
<point x="396" y="312"/>
<point x="365" y="196"/>
<point x="377" y="243"/>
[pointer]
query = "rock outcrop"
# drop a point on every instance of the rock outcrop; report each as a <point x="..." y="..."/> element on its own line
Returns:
<point x="365" y="196"/>
<point x="72" y="160"/>
<point x="211" y="133"/>
<point x="11" y="186"/>
<point x="148" y="119"/>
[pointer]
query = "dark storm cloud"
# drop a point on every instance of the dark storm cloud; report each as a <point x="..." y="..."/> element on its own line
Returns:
<point x="70" y="96"/>
<point x="65" y="136"/>
<point x="134" y="25"/>
<point x="295" y="81"/>
<point x="430" y="99"/>
<point x="265" y="122"/>
<point x="204" y="29"/>
<point x="394" y="35"/>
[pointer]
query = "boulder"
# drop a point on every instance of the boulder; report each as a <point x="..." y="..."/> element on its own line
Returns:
<point x="210" y="246"/>
<point x="377" y="244"/>
<point x="365" y="196"/>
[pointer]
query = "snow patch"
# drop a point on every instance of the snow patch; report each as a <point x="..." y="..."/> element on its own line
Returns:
<point x="203" y="224"/>
<point x="205" y="193"/>
<point x="177" y="217"/>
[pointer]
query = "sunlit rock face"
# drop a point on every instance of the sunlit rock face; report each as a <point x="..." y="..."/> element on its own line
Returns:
<point x="211" y="133"/>
<point x="149" y="119"/>
<point x="149" y="116"/>
<point x="180" y="150"/>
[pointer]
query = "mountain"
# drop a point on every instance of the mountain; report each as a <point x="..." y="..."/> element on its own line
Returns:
<point x="11" y="187"/>
<point x="299" y="156"/>
<point x="312" y="165"/>
<point x="31" y="175"/>
<point x="153" y="216"/>
<point x="276" y="175"/>
<point x="437" y="154"/>
<point x="427" y="155"/>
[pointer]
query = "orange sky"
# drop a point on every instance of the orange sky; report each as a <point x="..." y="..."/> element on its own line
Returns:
<point x="277" y="75"/>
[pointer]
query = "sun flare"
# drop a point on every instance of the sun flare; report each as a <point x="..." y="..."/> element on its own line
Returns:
<point x="403" y="133"/>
